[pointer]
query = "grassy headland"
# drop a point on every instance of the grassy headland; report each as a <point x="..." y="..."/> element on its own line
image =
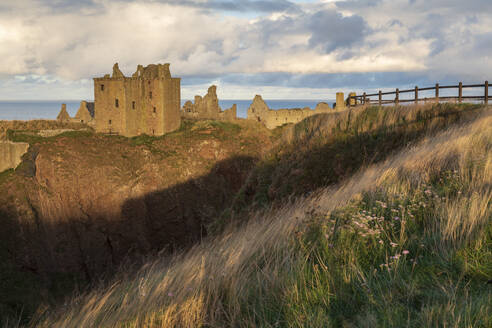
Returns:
<point x="82" y="203"/>
<point x="395" y="231"/>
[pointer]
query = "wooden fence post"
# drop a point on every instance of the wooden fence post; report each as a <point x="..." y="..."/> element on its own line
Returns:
<point x="486" y="100"/>
<point x="397" y="98"/>
<point x="437" y="92"/>
<point x="364" y="97"/>
<point x="416" y="94"/>
<point x="380" y="98"/>
<point x="460" y="93"/>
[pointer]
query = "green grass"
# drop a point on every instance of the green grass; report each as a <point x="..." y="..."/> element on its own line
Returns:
<point x="19" y="136"/>
<point x="405" y="242"/>
<point x="326" y="149"/>
<point x="306" y="265"/>
<point x="380" y="262"/>
<point x="31" y="137"/>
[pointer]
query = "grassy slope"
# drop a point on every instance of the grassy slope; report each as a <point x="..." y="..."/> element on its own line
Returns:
<point x="326" y="149"/>
<point x="22" y="286"/>
<point x="406" y="242"/>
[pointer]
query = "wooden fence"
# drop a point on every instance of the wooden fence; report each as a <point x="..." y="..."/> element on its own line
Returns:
<point x="365" y="99"/>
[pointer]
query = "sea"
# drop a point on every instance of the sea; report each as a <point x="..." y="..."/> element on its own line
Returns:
<point x="49" y="109"/>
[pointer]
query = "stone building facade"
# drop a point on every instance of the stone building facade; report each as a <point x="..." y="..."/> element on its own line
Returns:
<point x="85" y="113"/>
<point x="148" y="102"/>
<point x="207" y="107"/>
<point x="63" y="116"/>
<point x="259" y="111"/>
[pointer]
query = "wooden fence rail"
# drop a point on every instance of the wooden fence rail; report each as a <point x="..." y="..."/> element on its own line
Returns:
<point x="365" y="99"/>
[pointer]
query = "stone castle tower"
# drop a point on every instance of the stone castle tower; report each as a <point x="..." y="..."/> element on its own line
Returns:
<point x="148" y="102"/>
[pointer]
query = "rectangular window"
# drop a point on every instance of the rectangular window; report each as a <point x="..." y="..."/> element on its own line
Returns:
<point x="116" y="103"/>
<point x="133" y="105"/>
<point x="109" y="122"/>
<point x="150" y="94"/>
<point x="102" y="87"/>
<point x="155" y="111"/>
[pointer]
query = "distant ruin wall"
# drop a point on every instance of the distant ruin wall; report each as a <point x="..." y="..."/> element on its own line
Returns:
<point x="259" y="111"/>
<point x="85" y="113"/>
<point x="207" y="107"/>
<point x="11" y="154"/>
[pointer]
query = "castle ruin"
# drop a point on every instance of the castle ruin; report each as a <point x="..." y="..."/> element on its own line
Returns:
<point x="207" y="107"/>
<point x="85" y="113"/>
<point x="147" y="102"/>
<point x="260" y="112"/>
<point x="63" y="116"/>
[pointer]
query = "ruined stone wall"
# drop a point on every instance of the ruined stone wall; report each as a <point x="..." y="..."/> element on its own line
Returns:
<point x="274" y="118"/>
<point x="259" y="111"/>
<point x="153" y="106"/>
<point x="85" y="113"/>
<point x="109" y="118"/>
<point x="229" y="114"/>
<point x="135" y="121"/>
<point x="11" y="154"/>
<point x="207" y="107"/>
<point x="63" y="115"/>
<point x="172" y="115"/>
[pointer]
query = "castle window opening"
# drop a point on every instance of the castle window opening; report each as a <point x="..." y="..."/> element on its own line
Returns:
<point x="109" y="122"/>
<point x="153" y="132"/>
<point x="116" y="103"/>
<point x="154" y="110"/>
<point x="150" y="94"/>
<point x="133" y="105"/>
<point x="102" y="87"/>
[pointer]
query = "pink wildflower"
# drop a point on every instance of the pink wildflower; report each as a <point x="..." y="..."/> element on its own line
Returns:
<point x="405" y="252"/>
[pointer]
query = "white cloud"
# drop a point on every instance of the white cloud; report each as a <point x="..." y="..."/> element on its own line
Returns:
<point x="80" y="40"/>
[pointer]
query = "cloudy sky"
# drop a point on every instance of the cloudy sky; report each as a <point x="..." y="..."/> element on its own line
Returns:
<point x="296" y="49"/>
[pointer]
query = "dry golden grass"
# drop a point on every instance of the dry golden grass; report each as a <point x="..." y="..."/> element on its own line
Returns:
<point x="363" y="119"/>
<point x="210" y="284"/>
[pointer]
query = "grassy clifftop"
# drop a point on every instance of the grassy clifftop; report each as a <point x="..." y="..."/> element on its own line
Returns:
<point x="326" y="149"/>
<point x="80" y="203"/>
<point x="405" y="241"/>
<point x="36" y="126"/>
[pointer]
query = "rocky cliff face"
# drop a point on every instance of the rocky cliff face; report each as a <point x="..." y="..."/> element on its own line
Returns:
<point x="81" y="204"/>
